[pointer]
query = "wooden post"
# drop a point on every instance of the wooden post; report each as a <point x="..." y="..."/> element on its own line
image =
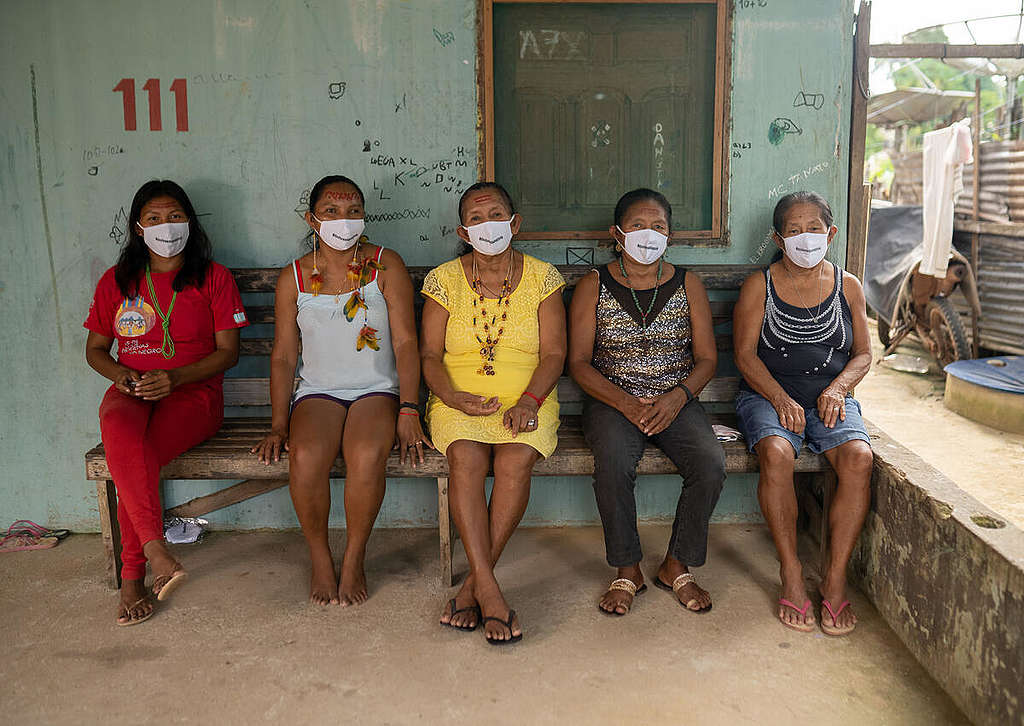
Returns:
<point x="976" y="134"/>
<point x="444" y="529"/>
<point x="106" y="496"/>
<point x="857" y="247"/>
<point x="855" y="228"/>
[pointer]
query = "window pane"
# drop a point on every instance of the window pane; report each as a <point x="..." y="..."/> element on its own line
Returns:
<point x="593" y="100"/>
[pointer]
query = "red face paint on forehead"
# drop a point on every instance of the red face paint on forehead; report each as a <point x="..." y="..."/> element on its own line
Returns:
<point x="482" y="198"/>
<point x="342" y="196"/>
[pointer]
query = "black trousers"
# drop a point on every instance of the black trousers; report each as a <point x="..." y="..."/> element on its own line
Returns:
<point x="618" y="445"/>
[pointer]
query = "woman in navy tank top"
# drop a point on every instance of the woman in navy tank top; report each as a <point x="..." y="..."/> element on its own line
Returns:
<point x="801" y="344"/>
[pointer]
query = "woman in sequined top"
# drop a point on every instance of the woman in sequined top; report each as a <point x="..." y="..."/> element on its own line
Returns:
<point x="801" y="344"/>
<point x="642" y="348"/>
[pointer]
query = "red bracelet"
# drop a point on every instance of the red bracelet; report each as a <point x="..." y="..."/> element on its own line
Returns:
<point x="540" y="401"/>
<point x="408" y="413"/>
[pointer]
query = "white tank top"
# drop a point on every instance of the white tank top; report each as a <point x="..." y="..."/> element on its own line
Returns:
<point x="330" y="363"/>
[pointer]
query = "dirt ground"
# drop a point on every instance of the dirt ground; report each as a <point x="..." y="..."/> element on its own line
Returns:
<point x="987" y="463"/>
<point x="238" y="644"/>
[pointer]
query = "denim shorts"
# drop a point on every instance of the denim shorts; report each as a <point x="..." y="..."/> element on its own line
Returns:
<point x="758" y="419"/>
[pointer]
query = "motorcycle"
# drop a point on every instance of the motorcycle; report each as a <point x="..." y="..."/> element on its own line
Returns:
<point x="907" y="301"/>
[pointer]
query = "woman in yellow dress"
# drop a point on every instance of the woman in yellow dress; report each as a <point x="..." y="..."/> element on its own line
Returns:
<point x="493" y="347"/>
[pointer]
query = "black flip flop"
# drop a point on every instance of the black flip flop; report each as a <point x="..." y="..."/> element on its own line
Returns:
<point x="456" y="611"/>
<point x="658" y="582"/>
<point x="507" y="624"/>
<point x="640" y="590"/>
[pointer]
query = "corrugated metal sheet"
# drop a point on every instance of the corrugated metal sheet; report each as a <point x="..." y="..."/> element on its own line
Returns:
<point x="1002" y="182"/>
<point x="1001" y="288"/>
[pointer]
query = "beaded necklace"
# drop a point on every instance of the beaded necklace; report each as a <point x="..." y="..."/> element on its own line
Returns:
<point x="167" y="346"/>
<point x="794" y="330"/>
<point x="636" y="300"/>
<point x="488" y="339"/>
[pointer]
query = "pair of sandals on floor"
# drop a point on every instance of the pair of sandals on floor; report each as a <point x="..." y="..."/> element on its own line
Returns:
<point x="803" y="626"/>
<point x="626" y="585"/>
<point x="162" y="588"/>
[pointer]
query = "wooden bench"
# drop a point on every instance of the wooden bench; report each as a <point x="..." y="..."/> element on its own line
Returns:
<point x="227" y="455"/>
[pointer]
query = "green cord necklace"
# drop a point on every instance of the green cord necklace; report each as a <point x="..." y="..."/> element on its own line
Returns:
<point x="636" y="300"/>
<point x="167" y="346"/>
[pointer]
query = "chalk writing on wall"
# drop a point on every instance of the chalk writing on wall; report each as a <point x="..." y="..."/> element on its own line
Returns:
<point x="336" y="90"/>
<point x="117" y="229"/>
<point x="445" y="39"/>
<point x="790" y="184"/>
<point x="738" y="147"/>
<point x="811" y="100"/>
<point x="779" y="128"/>
<point x="579" y="255"/>
<point x="548" y="44"/>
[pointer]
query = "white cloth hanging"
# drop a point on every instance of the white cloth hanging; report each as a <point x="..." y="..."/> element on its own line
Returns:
<point x="945" y="153"/>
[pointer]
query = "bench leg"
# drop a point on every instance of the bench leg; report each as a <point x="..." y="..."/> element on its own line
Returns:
<point x="107" y="498"/>
<point x="444" y="527"/>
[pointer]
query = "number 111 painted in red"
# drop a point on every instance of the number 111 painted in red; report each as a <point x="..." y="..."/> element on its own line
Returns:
<point x="126" y="87"/>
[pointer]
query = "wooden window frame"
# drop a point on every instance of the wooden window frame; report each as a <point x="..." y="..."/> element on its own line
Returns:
<point x="717" y="235"/>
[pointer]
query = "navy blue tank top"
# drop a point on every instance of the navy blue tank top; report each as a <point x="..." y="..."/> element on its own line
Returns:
<point x="803" y="349"/>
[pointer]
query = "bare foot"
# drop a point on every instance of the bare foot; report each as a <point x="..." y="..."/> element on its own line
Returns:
<point x="795" y="590"/>
<point x="466" y="620"/>
<point x="691" y="595"/>
<point x="492" y="604"/>
<point x="352" y="590"/>
<point x="834" y="591"/>
<point x="135" y="604"/>
<point x="619" y="601"/>
<point x="323" y="585"/>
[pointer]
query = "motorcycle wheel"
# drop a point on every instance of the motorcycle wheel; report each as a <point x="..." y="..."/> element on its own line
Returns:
<point x="947" y="331"/>
<point x="883" y="332"/>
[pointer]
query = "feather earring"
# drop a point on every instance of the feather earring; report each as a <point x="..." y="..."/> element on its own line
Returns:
<point x="316" y="281"/>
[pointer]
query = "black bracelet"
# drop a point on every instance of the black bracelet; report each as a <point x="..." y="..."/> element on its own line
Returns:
<point x="409" y="404"/>
<point x="689" y="394"/>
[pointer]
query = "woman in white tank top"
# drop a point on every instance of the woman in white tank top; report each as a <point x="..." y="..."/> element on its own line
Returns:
<point x="351" y="304"/>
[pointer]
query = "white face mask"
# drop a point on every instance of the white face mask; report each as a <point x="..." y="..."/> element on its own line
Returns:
<point x="341" y="234"/>
<point x="644" y="245"/>
<point x="490" y="238"/>
<point x="166" y="240"/>
<point x="807" y="249"/>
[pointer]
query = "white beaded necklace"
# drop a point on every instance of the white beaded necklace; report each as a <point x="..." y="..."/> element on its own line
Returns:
<point x="793" y="330"/>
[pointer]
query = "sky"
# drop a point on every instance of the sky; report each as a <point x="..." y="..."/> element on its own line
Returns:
<point x="891" y="19"/>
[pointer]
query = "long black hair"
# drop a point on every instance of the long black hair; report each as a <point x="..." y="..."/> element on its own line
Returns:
<point x="463" y="247"/>
<point x="318" y="191"/>
<point x="135" y="254"/>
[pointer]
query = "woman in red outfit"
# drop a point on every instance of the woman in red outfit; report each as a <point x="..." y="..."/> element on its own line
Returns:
<point x="175" y="314"/>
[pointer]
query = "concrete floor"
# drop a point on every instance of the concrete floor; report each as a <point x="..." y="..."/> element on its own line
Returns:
<point x="239" y="644"/>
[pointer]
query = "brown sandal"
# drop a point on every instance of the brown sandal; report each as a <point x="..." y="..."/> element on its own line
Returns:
<point x="128" y="613"/>
<point x="164" y="585"/>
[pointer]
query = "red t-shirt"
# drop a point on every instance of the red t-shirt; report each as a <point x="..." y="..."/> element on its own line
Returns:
<point x="197" y="315"/>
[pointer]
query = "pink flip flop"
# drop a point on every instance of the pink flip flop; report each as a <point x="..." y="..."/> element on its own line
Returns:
<point x="834" y="628"/>
<point x="805" y="627"/>
<point x="24" y="542"/>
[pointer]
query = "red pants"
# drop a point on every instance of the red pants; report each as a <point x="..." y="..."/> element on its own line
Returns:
<point x="141" y="436"/>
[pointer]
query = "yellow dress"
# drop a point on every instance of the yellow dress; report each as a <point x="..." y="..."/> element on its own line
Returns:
<point x="515" y="359"/>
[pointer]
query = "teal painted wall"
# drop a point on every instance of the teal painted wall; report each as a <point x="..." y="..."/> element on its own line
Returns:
<point x="278" y="94"/>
